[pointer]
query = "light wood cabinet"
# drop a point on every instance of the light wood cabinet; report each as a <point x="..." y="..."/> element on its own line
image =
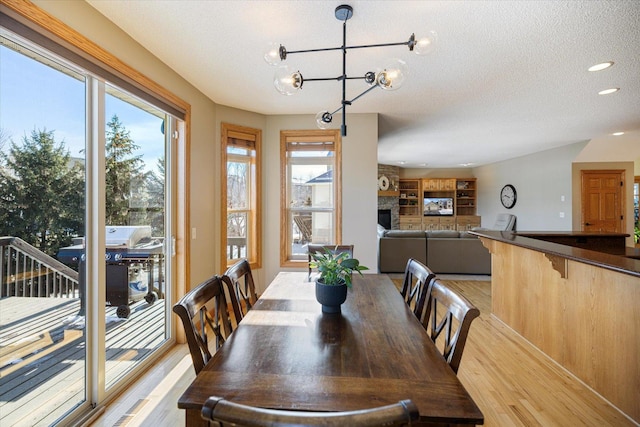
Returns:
<point x="410" y="198"/>
<point x="410" y="223"/>
<point x="467" y="222"/>
<point x="439" y="184"/>
<point x="447" y="223"/>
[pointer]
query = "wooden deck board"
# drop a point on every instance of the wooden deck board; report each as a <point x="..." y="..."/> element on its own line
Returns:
<point x="56" y="371"/>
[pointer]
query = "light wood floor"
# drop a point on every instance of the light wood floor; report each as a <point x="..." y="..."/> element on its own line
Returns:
<point x="512" y="382"/>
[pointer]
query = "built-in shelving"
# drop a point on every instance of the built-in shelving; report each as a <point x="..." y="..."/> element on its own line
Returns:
<point x="410" y="198"/>
<point x="466" y="196"/>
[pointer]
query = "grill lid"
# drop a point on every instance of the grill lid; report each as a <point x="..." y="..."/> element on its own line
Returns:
<point x="127" y="235"/>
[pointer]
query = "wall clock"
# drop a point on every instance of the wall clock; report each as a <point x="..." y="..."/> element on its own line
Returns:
<point x="508" y="196"/>
<point x="383" y="183"/>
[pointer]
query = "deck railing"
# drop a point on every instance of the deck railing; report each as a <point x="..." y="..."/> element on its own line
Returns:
<point x="28" y="272"/>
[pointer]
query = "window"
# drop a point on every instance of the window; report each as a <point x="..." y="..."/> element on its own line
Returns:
<point x="241" y="176"/>
<point x="310" y="200"/>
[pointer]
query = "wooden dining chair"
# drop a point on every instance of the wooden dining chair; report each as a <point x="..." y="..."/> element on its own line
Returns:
<point x="338" y="249"/>
<point x="241" y="287"/>
<point x="455" y="321"/>
<point x="227" y="413"/>
<point x="203" y="312"/>
<point x="416" y="286"/>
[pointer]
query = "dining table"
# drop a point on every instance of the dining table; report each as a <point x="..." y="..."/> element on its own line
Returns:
<point x="287" y="354"/>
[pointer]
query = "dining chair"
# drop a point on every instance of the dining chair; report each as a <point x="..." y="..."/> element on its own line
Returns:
<point x="416" y="286"/>
<point x="228" y="413"/>
<point x="303" y="224"/>
<point x="315" y="248"/>
<point x="203" y="312"/>
<point x="241" y="287"/>
<point x="455" y="321"/>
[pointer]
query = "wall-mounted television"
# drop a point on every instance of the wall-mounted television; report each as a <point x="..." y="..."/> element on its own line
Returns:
<point x="441" y="206"/>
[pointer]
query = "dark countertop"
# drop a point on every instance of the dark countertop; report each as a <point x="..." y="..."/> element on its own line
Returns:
<point x="622" y="264"/>
<point x="569" y="234"/>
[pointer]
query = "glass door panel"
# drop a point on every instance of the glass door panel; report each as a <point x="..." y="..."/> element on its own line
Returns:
<point x="135" y="232"/>
<point x="42" y="211"/>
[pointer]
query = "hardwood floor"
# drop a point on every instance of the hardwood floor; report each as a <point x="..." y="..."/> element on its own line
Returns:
<point x="512" y="382"/>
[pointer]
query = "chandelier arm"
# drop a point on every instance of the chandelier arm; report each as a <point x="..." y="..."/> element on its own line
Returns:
<point x="362" y="94"/>
<point x="364" y="46"/>
<point x="323" y="79"/>
<point x="289" y="52"/>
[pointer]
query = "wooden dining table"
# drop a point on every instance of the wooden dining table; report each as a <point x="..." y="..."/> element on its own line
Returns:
<point x="287" y="354"/>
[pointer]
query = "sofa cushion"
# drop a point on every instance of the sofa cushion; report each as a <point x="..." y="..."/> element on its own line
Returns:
<point x="404" y="233"/>
<point x="443" y="234"/>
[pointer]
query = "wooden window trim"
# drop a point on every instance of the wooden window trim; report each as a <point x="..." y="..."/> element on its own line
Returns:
<point x="287" y="137"/>
<point x="250" y="138"/>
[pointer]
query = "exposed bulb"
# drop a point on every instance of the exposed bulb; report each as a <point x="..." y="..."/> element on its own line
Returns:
<point x="286" y="81"/>
<point x="272" y="56"/>
<point x="426" y="44"/>
<point x="393" y="75"/>
<point x="323" y="119"/>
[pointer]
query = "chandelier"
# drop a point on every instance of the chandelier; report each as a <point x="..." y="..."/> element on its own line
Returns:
<point x="390" y="77"/>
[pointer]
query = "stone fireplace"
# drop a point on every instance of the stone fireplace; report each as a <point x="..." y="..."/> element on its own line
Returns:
<point x="390" y="203"/>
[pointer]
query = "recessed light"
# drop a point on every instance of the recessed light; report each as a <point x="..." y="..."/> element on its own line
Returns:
<point x="465" y="164"/>
<point x="401" y="162"/>
<point x="617" y="133"/>
<point x="609" y="91"/>
<point x="601" y="66"/>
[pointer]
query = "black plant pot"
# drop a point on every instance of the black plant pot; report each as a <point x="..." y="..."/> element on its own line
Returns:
<point x="331" y="296"/>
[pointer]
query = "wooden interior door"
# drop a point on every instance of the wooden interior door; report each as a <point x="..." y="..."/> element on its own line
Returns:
<point x="603" y="200"/>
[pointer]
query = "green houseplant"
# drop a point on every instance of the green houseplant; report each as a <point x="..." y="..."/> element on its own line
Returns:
<point x="336" y="269"/>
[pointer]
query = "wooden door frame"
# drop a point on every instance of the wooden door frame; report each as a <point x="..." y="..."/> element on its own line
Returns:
<point x="623" y="193"/>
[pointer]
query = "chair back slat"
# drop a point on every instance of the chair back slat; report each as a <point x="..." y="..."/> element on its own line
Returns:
<point x="416" y="286"/>
<point x="227" y="413"/>
<point x="203" y="312"/>
<point x="454" y="321"/>
<point x="241" y="288"/>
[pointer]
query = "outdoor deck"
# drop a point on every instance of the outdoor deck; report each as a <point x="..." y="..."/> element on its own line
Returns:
<point x="42" y="354"/>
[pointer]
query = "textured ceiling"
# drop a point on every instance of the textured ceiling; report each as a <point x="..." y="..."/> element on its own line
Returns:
<point x="507" y="78"/>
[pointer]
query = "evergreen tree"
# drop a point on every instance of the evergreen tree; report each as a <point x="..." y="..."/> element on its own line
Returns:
<point x="124" y="173"/>
<point x="155" y="190"/>
<point x="41" y="192"/>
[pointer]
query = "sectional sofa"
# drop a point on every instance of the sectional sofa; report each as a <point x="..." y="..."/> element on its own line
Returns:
<point x="444" y="251"/>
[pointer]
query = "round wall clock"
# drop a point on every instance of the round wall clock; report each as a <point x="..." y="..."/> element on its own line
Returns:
<point x="383" y="183"/>
<point x="508" y="196"/>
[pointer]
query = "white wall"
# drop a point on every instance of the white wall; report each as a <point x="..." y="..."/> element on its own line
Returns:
<point x="540" y="179"/>
<point x="359" y="191"/>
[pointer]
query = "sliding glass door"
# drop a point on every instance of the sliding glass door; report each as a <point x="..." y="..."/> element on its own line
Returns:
<point x="85" y="267"/>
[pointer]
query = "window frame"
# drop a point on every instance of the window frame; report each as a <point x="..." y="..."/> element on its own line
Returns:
<point x="230" y="132"/>
<point x="310" y="137"/>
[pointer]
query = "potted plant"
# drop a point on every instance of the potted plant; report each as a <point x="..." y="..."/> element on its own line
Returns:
<point x="336" y="269"/>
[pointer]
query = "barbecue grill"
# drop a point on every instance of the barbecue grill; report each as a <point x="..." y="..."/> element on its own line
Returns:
<point x="132" y="256"/>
